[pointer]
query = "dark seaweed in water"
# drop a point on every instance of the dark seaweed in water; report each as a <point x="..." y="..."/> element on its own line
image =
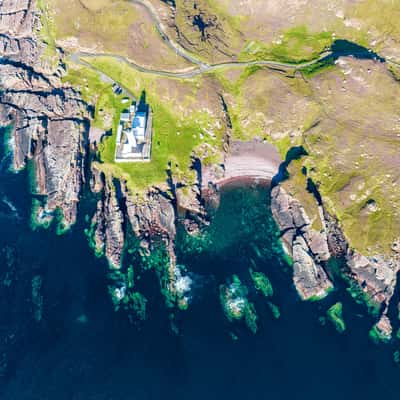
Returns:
<point x="82" y="350"/>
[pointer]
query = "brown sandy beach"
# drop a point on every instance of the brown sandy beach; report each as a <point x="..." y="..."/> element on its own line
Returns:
<point x="255" y="160"/>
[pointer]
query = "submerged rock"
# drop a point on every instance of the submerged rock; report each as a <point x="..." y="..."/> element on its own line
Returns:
<point x="236" y="306"/>
<point x="335" y="315"/>
<point x="262" y="283"/>
<point x="37" y="298"/>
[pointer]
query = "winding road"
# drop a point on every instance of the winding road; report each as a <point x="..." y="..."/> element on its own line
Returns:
<point x="204" y="68"/>
<point x="199" y="68"/>
<point x="162" y="32"/>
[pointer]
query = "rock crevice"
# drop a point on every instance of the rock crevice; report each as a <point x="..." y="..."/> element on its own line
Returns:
<point x="307" y="247"/>
<point x="49" y="120"/>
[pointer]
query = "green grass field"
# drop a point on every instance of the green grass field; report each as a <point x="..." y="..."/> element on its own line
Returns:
<point x="178" y="128"/>
<point x="296" y="46"/>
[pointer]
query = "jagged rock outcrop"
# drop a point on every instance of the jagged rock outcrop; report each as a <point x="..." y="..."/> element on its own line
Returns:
<point x="49" y="121"/>
<point x="190" y="208"/>
<point x="382" y="330"/>
<point x="188" y="200"/>
<point x="310" y="279"/>
<point x="97" y="179"/>
<point x="209" y="175"/>
<point x="307" y="247"/>
<point x="151" y="215"/>
<point x="108" y="226"/>
<point x="18" y="21"/>
<point x="376" y="276"/>
<point x="337" y="242"/>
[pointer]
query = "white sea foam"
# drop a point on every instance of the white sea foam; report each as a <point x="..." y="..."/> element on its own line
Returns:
<point x="11" y="206"/>
<point x="183" y="283"/>
<point x="7" y="202"/>
<point x="237" y="305"/>
<point x="119" y="293"/>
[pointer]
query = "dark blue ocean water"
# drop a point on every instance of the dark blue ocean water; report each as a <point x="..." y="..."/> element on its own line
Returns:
<point x="82" y="349"/>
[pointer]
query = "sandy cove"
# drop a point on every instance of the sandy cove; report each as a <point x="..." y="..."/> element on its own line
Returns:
<point x="253" y="160"/>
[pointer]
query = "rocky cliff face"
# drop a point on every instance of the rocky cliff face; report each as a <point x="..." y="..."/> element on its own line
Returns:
<point x="374" y="277"/>
<point x="377" y="276"/>
<point x="149" y="217"/>
<point x="49" y="120"/>
<point x="108" y="226"/>
<point x="308" y="248"/>
<point x="50" y="124"/>
<point x="18" y="21"/>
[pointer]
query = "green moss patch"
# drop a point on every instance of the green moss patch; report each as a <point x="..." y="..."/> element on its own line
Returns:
<point x="296" y="45"/>
<point x="47" y="34"/>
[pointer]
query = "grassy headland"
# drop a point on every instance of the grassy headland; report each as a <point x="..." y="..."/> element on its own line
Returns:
<point x="182" y="125"/>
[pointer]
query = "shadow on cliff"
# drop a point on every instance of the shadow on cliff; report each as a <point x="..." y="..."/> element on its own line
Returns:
<point x="294" y="153"/>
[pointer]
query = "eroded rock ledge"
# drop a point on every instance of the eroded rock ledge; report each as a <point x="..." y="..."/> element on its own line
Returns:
<point x="49" y="120"/>
<point x="120" y="213"/>
<point x="308" y="248"/>
<point x="374" y="278"/>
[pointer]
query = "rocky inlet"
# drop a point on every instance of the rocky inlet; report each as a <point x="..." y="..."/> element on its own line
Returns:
<point x="49" y="120"/>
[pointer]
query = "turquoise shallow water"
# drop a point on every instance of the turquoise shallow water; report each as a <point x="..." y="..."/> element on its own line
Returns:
<point x="82" y="349"/>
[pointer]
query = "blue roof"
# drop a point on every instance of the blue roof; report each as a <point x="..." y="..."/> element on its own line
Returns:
<point x="140" y="120"/>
